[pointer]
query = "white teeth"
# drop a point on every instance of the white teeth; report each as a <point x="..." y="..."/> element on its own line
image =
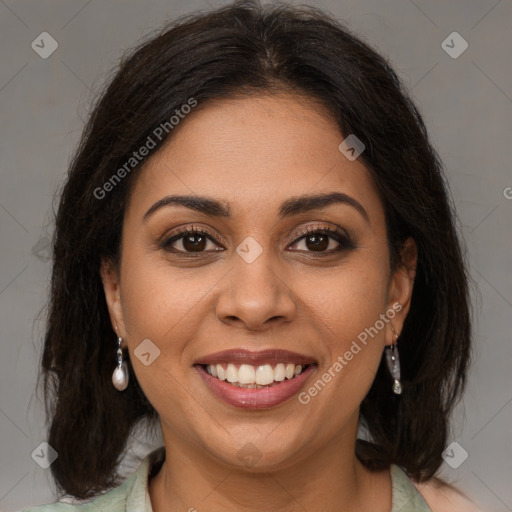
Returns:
<point x="279" y="373"/>
<point x="246" y="374"/>
<point x="264" y="375"/>
<point x="221" y="374"/>
<point x="290" y="371"/>
<point x="250" y="376"/>
<point x="231" y="373"/>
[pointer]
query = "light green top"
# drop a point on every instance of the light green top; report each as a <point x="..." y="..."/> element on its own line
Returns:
<point x="132" y="495"/>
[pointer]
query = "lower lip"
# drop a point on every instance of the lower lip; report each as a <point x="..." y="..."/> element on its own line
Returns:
<point x="256" y="398"/>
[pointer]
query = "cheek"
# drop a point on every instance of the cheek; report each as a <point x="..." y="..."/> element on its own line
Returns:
<point x="160" y="304"/>
<point x="346" y="300"/>
<point x="347" y="307"/>
<point x="158" y="298"/>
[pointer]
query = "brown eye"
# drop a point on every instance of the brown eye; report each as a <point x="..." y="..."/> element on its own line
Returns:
<point x="189" y="241"/>
<point x="320" y="240"/>
<point x="317" y="242"/>
<point x="194" y="243"/>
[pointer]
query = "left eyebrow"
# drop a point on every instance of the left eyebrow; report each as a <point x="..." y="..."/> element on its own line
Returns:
<point x="292" y="206"/>
<point x="302" y="204"/>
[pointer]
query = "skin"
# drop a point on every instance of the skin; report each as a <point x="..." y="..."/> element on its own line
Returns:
<point x="253" y="153"/>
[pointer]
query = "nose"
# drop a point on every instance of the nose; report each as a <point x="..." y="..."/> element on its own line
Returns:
<point x="257" y="295"/>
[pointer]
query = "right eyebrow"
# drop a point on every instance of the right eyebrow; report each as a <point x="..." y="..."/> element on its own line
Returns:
<point x="199" y="203"/>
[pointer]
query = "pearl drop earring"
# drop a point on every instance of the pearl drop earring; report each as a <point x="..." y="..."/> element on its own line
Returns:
<point x="120" y="376"/>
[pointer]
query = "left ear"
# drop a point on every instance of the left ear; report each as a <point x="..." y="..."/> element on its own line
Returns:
<point x="400" y="290"/>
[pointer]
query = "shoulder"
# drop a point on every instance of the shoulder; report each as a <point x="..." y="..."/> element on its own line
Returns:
<point x="110" y="502"/>
<point x="130" y="496"/>
<point x="443" y="497"/>
<point x="59" y="506"/>
<point x="52" y="507"/>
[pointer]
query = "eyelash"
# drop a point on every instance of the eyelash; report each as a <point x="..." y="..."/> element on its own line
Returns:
<point x="339" y="235"/>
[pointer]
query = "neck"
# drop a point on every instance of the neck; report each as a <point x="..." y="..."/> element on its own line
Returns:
<point x="330" y="479"/>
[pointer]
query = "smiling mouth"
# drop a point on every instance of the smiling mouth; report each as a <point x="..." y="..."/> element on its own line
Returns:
<point x="255" y="380"/>
<point x="250" y="377"/>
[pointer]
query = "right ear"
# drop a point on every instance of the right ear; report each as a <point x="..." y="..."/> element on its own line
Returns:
<point x="112" y="288"/>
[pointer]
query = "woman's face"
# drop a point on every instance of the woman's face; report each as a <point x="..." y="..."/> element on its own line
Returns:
<point x="252" y="283"/>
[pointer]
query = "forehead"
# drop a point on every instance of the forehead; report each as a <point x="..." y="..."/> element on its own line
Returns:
<point x="254" y="153"/>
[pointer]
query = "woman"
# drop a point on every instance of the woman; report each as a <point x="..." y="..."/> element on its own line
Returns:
<point x="256" y="249"/>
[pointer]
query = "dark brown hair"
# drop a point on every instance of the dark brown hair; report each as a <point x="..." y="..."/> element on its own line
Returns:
<point x="245" y="48"/>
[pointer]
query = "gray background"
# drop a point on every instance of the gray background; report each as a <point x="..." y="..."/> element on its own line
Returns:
<point x="467" y="105"/>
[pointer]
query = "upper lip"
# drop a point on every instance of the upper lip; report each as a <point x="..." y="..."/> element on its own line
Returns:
<point x="255" y="358"/>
